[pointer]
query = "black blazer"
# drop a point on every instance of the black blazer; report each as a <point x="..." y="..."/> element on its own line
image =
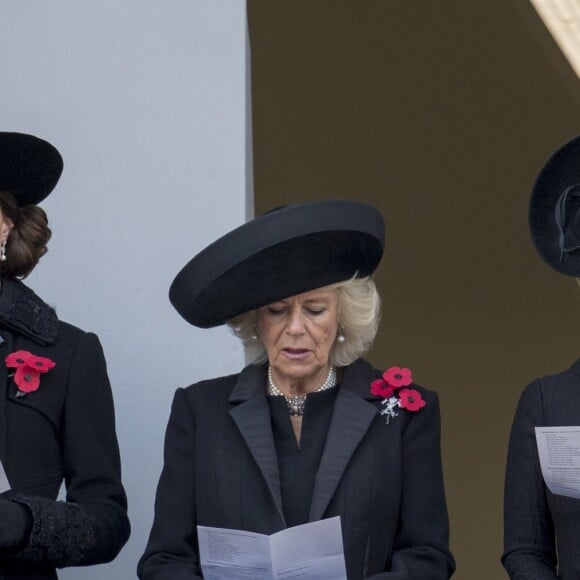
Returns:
<point x="384" y="480"/>
<point x="536" y="521"/>
<point x="64" y="431"/>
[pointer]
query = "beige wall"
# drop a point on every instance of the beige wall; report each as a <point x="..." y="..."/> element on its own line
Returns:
<point x="440" y="113"/>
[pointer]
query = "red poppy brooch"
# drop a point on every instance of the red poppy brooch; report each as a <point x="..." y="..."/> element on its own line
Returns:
<point x="390" y="388"/>
<point x="28" y="367"/>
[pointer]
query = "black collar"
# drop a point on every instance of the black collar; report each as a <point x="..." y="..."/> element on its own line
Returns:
<point x="23" y="312"/>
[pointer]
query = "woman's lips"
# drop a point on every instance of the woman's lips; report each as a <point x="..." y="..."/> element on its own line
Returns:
<point x="296" y="353"/>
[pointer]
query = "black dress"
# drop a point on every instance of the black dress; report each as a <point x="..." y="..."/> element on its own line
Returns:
<point x="298" y="465"/>
<point x="542" y="530"/>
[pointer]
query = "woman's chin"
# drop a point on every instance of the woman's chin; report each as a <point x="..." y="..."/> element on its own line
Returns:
<point x="297" y="370"/>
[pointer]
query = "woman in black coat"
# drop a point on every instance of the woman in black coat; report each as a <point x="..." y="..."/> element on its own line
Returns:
<point x="56" y="409"/>
<point x="542" y="528"/>
<point x="309" y="430"/>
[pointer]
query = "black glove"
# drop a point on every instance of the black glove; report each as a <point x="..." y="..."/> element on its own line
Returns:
<point x="15" y="524"/>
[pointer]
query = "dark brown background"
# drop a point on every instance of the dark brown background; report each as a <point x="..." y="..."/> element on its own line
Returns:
<point x="441" y="114"/>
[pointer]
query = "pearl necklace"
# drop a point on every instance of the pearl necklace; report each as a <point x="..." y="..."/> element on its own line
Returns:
<point x="296" y="402"/>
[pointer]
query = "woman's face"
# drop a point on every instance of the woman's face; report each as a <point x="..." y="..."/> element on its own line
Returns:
<point x="298" y="334"/>
<point x="6" y="226"/>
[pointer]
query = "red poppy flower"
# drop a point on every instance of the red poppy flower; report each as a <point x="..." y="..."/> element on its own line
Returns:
<point x="27" y="379"/>
<point x="40" y="363"/>
<point x="28" y="369"/>
<point x="411" y="400"/>
<point x="380" y="388"/>
<point x="16" y="359"/>
<point x="397" y="377"/>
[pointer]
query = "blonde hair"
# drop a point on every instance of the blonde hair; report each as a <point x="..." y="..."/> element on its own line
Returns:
<point x="359" y="307"/>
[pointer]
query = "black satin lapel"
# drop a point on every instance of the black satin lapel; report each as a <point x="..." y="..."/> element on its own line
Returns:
<point x="5" y="350"/>
<point x="253" y="420"/>
<point x="351" y="420"/>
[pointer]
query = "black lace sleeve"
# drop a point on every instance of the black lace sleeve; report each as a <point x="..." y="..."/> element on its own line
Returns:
<point x="62" y="533"/>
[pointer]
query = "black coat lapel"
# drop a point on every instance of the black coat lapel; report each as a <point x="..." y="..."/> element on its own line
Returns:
<point x="351" y="420"/>
<point x="5" y="350"/>
<point x="252" y="417"/>
<point x="22" y="313"/>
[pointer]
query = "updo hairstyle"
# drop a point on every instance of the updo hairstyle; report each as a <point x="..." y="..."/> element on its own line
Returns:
<point x="26" y="242"/>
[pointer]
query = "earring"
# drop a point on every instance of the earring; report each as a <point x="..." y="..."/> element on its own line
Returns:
<point x="3" y="251"/>
<point x="256" y="333"/>
<point x="340" y="335"/>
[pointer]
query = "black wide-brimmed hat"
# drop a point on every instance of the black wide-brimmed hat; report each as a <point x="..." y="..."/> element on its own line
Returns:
<point x="29" y="167"/>
<point x="282" y="253"/>
<point x="554" y="217"/>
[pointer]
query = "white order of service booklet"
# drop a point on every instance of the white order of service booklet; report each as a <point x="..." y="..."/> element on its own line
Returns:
<point x="311" y="551"/>
<point x="559" y="453"/>
<point x="4" y="483"/>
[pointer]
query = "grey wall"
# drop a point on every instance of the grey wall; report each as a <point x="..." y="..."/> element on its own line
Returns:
<point x="147" y="102"/>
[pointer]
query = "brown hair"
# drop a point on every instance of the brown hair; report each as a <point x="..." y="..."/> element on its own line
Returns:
<point x="27" y="240"/>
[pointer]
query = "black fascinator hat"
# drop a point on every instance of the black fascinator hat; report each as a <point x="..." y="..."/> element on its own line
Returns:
<point x="29" y="167"/>
<point x="554" y="217"/>
<point x="282" y="253"/>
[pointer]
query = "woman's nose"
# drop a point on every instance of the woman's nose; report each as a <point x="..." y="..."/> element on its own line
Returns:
<point x="295" y="323"/>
